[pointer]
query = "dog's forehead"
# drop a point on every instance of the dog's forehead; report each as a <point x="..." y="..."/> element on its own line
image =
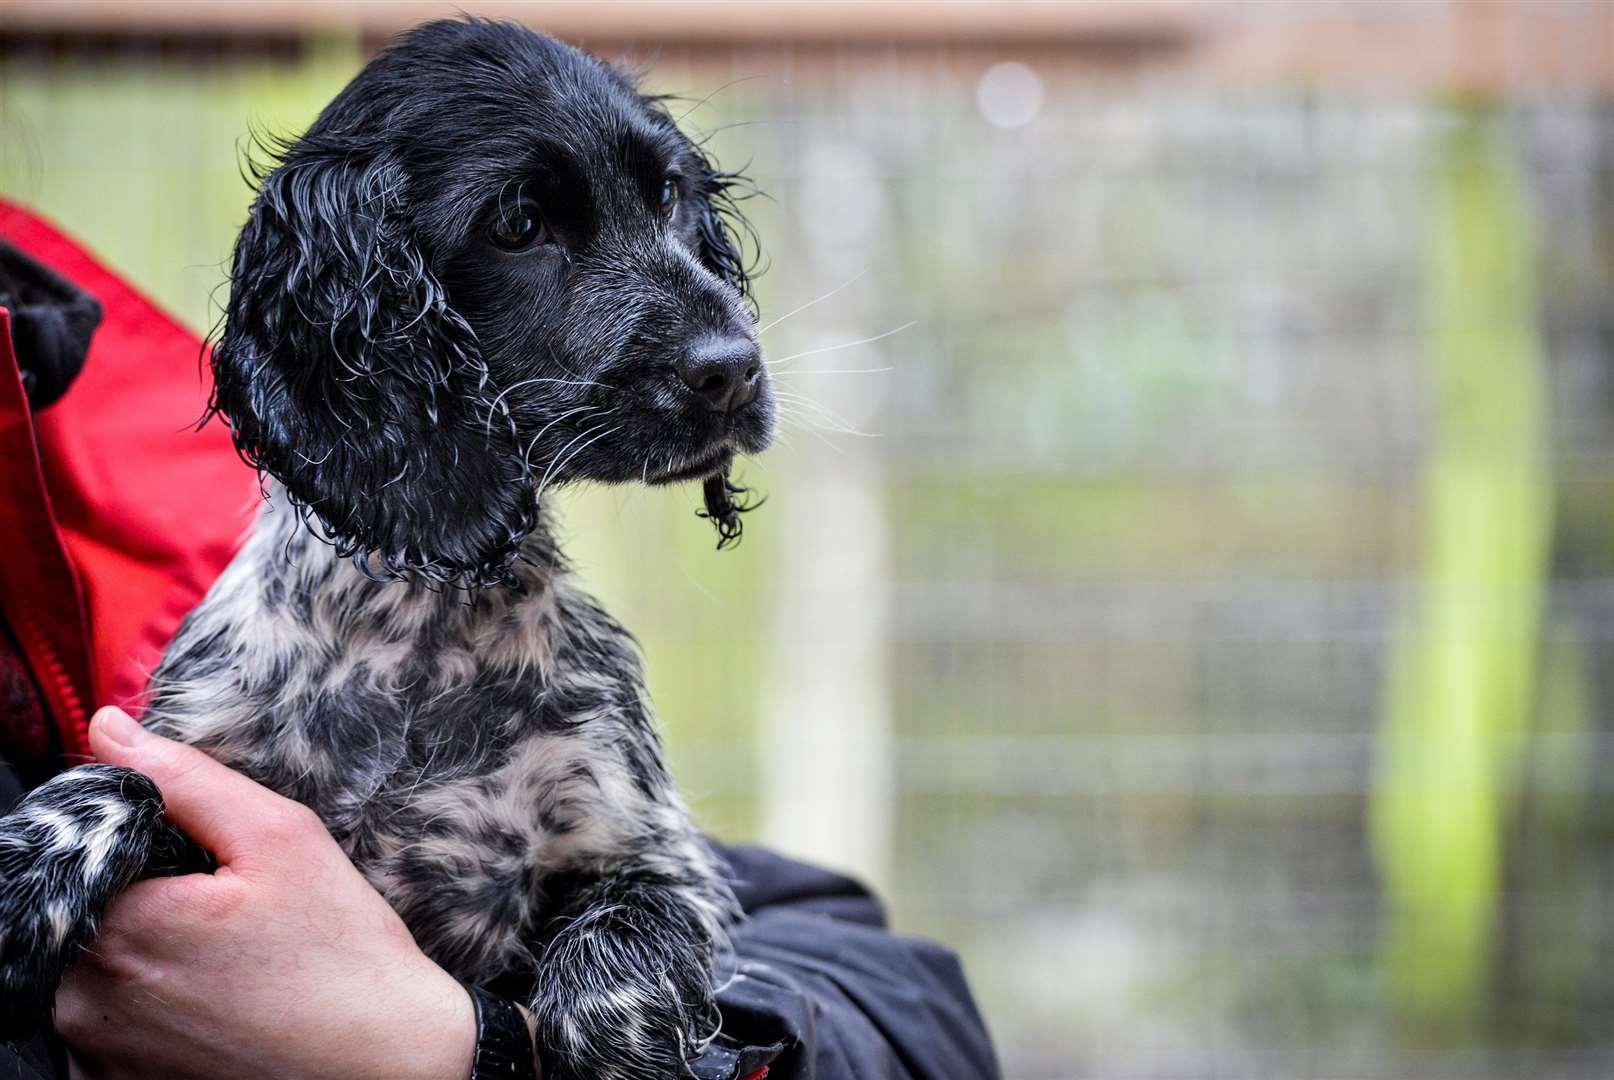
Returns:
<point x="487" y="109"/>
<point x="489" y="88"/>
<point x="595" y="117"/>
<point x="569" y="106"/>
<point x="597" y="135"/>
<point x="544" y="91"/>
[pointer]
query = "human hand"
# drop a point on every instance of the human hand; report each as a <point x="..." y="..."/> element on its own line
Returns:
<point x="283" y="963"/>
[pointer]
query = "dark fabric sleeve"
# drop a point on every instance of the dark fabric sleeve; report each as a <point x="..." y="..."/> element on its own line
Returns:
<point x="52" y="321"/>
<point x="820" y="989"/>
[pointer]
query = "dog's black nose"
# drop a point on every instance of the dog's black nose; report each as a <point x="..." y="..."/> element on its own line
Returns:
<point x="724" y="372"/>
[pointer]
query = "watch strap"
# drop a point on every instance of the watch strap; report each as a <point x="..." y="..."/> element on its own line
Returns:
<point x="504" y="1048"/>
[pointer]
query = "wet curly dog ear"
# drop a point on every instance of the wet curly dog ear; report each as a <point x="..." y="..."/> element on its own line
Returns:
<point x="345" y="374"/>
<point x="723" y="232"/>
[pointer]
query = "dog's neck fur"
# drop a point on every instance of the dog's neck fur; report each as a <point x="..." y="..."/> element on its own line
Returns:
<point x="374" y="617"/>
<point x="537" y="561"/>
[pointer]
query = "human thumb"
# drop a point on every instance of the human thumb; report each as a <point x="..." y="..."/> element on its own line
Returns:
<point x="215" y="806"/>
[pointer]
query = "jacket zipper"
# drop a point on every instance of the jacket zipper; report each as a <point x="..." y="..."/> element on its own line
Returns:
<point x="56" y="681"/>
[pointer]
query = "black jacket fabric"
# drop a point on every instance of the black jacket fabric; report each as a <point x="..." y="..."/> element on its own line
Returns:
<point x="51" y="324"/>
<point x="818" y="974"/>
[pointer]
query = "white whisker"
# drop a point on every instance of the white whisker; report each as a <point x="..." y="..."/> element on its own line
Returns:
<point x="826" y="418"/>
<point x="811" y="429"/>
<point x="562" y="458"/>
<point x="527" y="457"/>
<point x="832" y="421"/>
<point x="845" y="284"/>
<point x="845" y="344"/>
<point x="833" y="371"/>
<point x="498" y="401"/>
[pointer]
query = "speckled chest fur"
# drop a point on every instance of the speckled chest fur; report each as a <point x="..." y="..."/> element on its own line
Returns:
<point x="471" y="752"/>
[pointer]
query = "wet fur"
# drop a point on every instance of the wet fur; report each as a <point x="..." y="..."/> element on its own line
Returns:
<point x="399" y="644"/>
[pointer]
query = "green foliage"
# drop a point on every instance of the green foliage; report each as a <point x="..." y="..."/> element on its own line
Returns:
<point x="1462" y="689"/>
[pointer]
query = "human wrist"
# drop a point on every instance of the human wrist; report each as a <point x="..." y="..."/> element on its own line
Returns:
<point x="435" y="1039"/>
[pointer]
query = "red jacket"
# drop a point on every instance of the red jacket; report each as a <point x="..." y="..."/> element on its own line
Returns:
<point x="116" y="514"/>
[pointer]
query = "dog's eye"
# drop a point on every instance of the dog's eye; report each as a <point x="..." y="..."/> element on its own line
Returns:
<point x="669" y="195"/>
<point x="518" y="228"/>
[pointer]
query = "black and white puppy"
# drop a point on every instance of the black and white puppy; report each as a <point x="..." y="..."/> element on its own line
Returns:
<point x="491" y="266"/>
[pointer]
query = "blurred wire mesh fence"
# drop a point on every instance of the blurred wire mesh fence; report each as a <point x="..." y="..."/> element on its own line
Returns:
<point x="1187" y="581"/>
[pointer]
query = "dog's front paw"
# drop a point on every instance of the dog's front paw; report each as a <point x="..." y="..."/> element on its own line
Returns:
<point x="619" y="1025"/>
<point x="39" y="918"/>
<point x="64" y="851"/>
<point x="624" y="994"/>
<point x="32" y="962"/>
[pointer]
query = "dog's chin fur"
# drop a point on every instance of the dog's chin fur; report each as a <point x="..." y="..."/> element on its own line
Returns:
<point x="701" y="469"/>
<point x="486" y="758"/>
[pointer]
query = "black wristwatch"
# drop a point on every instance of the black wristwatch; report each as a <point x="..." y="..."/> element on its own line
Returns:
<point x="504" y="1048"/>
